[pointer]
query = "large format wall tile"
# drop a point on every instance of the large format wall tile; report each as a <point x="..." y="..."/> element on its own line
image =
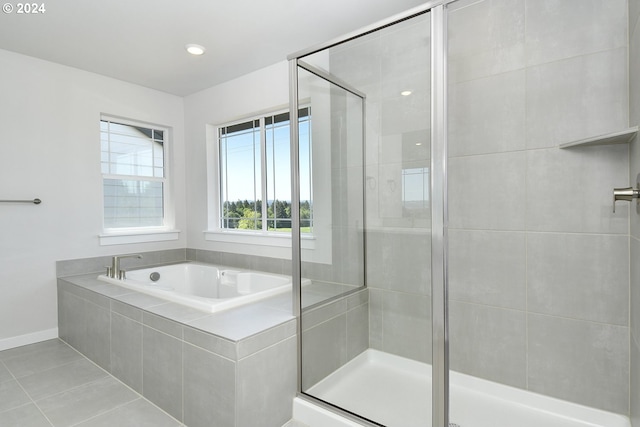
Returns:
<point x="488" y="342"/>
<point x="324" y="350"/>
<point x="126" y="351"/>
<point x="487" y="115"/>
<point x="571" y="190"/>
<point x="558" y="29"/>
<point x="399" y="260"/>
<point x="579" y="276"/>
<point x="485" y="38"/>
<point x="267" y="385"/>
<point x="634" y="410"/>
<point x="162" y="370"/>
<point x="488" y="267"/>
<point x="577" y="98"/>
<point x="485" y="191"/>
<point x="406" y="329"/>
<point x="205" y="405"/>
<point x="579" y="361"/>
<point x="634" y="305"/>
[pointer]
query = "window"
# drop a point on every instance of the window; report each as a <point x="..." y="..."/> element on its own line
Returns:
<point x="255" y="166"/>
<point x="133" y="174"/>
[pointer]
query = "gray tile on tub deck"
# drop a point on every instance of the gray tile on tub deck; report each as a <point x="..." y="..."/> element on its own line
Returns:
<point x="81" y="403"/>
<point x="126" y="310"/>
<point x="266" y="338"/>
<point x="139" y="413"/>
<point x="269" y="369"/>
<point x="61" y="378"/>
<point x="579" y="361"/>
<point x="26" y="415"/>
<point x="579" y="276"/>
<point x="210" y="342"/>
<point x="126" y="351"/>
<point x="162" y="371"/>
<point x="39" y="357"/>
<point x="204" y="405"/>
<point x="167" y="326"/>
<point x="12" y="395"/>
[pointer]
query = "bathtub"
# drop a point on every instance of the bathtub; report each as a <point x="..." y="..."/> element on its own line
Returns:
<point x="202" y="286"/>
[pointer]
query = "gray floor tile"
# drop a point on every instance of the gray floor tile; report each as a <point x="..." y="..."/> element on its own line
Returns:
<point x="12" y="395"/>
<point x="5" y="375"/>
<point x="40" y="358"/>
<point x="82" y="403"/>
<point x="43" y="346"/>
<point x="61" y="378"/>
<point x="24" y="416"/>
<point x="139" y="413"/>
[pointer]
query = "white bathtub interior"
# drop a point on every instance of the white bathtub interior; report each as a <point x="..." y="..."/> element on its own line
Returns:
<point x="204" y="287"/>
<point x="396" y="392"/>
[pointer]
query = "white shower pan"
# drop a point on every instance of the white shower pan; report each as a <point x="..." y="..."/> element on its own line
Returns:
<point x="396" y="392"/>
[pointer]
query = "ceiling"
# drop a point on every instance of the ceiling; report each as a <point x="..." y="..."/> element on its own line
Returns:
<point x="142" y="41"/>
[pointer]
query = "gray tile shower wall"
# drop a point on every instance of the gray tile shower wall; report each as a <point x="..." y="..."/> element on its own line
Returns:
<point x="333" y="333"/>
<point x="538" y="262"/>
<point x="634" y="169"/>
<point x="199" y="378"/>
<point x="539" y="272"/>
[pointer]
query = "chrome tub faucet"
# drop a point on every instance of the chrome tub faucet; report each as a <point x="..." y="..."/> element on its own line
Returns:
<point x="115" y="271"/>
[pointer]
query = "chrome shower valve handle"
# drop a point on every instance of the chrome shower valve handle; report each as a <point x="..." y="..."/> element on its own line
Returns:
<point x="626" y="193"/>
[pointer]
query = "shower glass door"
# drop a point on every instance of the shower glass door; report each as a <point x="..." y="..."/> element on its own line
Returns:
<point x="366" y="295"/>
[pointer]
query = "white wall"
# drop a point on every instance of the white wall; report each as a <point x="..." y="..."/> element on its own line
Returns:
<point x="50" y="149"/>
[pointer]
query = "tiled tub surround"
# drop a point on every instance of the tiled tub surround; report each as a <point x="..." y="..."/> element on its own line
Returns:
<point x="233" y="368"/>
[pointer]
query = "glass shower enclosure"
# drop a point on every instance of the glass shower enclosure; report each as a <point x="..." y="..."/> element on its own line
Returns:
<point x="433" y="246"/>
<point x="369" y="296"/>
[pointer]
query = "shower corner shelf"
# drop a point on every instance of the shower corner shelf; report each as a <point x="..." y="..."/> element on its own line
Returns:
<point x="621" y="137"/>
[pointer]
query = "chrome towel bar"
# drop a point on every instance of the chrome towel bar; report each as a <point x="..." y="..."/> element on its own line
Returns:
<point x="34" y="201"/>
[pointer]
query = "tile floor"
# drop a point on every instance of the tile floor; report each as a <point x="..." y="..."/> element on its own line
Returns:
<point x="51" y="384"/>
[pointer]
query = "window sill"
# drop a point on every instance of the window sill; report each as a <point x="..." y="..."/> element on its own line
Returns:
<point x="137" y="236"/>
<point x="258" y="238"/>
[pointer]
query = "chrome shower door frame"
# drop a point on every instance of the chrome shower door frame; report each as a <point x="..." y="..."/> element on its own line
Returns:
<point x="439" y="206"/>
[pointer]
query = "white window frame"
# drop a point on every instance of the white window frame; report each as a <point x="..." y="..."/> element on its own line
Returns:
<point x="165" y="232"/>
<point x="279" y="242"/>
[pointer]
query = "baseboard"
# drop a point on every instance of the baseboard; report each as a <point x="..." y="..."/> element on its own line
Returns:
<point x="7" y="343"/>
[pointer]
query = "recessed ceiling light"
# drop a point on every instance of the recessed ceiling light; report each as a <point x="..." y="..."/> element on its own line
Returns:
<point x="418" y="143"/>
<point x="405" y="93"/>
<point x="195" y="49"/>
